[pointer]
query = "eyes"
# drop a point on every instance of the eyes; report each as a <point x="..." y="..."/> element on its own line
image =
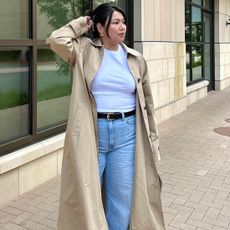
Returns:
<point x="118" y="22"/>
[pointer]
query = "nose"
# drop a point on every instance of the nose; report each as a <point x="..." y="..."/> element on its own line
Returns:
<point x="122" y="26"/>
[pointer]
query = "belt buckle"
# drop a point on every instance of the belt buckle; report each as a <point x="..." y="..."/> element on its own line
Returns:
<point x="108" y="116"/>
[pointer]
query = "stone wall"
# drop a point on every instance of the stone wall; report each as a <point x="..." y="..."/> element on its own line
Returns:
<point x="23" y="170"/>
<point x="159" y="35"/>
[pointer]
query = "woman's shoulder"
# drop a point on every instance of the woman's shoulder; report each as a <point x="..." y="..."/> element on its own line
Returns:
<point x="135" y="53"/>
<point x="88" y="44"/>
<point x="132" y="51"/>
<point x="139" y="58"/>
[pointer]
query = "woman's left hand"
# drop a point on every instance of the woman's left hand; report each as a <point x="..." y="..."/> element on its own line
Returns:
<point x="89" y="22"/>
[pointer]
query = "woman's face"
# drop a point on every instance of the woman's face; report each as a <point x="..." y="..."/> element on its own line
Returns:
<point x="117" y="29"/>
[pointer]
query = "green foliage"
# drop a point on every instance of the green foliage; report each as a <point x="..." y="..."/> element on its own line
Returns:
<point x="7" y="56"/>
<point x="45" y="55"/>
<point x="61" y="12"/>
<point x="64" y="68"/>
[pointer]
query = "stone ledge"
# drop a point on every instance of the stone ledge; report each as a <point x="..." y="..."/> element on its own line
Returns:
<point x="196" y="92"/>
<point x="30" y="153"/>
<point x="197" y="86"/>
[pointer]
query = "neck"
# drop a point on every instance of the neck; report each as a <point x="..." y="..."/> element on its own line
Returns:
<point x="110" y="46"/>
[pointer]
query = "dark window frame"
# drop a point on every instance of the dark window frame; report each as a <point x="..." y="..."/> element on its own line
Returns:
<point x="201" y="43"/>
<point x="33" y="44"/>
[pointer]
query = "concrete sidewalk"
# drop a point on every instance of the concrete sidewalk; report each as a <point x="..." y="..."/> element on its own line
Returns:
<point x="195" y="170"/>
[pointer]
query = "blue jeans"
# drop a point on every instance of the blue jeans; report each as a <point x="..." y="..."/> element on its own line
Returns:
<point x="116" y="168"/>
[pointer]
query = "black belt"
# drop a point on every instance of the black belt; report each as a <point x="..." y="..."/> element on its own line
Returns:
<point x="113" y="116"/>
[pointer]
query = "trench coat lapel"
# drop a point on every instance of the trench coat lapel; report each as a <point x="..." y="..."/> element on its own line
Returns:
<point x="132" y="65"/>
<point x="95" y="57"/>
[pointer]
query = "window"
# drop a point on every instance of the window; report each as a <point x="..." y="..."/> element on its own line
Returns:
<point x="199" y="41"/>
<point x="14" y="93"/>
<point x="35" y="84"/>
<point x="198" y="2"/>
<point x="14" y="19"/>
<point x="53" y="89"/>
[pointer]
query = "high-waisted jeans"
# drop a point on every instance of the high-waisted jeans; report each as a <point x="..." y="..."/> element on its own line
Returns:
<point x="116" y="167"/>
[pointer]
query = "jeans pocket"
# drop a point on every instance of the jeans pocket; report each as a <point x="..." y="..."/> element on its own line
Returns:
<point x="131" y="120"/>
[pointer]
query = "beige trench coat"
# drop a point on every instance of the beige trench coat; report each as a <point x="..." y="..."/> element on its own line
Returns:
<point x="81" y="206"/>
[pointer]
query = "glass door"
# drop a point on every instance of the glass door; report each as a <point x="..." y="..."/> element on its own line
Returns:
<point x="208" y="50"/>
<point x="199" y="42"/>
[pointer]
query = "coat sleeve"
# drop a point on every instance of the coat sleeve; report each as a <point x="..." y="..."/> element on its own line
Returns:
<point x="154" y="136"/>
<point x="66" y="41"/>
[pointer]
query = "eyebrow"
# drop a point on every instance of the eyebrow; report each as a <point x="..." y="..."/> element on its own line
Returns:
<point x="118" y="19"/>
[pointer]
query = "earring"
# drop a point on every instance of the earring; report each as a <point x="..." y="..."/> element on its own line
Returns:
<point x="101" y="35"/>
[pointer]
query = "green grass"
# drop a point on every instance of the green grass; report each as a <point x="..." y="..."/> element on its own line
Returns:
<point x="54" y="92"/>
<point x="195" y="64"/>
<point x="16" y="98"/>
<point x="12" y="99"/>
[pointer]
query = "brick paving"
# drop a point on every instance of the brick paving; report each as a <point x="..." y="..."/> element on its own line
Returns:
<point x="195" y="170"/>
<point x="196" y="166"/>
<point x="35" y="210"/>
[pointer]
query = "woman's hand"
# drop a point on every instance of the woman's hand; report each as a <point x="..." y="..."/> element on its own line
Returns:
<point x="89" y="22"/>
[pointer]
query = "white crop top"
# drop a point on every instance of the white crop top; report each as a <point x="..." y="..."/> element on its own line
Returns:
<point x="113" y="87"/>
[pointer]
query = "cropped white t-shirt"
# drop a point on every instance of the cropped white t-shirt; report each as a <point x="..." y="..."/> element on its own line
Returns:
<point x="113" y="87"/>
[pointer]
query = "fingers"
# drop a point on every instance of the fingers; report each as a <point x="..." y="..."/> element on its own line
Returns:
<point x="87" y="18"/>
<point x="90" y="24"/>
<point x="89" y="21"/>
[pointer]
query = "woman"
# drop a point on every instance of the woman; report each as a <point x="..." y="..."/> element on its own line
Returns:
<point x="111" y="136"/>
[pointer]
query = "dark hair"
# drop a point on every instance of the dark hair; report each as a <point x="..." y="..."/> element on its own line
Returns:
<point x="100" y="15"/>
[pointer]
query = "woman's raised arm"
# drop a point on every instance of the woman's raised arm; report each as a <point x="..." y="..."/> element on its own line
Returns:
<point x="66" y="41"/>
